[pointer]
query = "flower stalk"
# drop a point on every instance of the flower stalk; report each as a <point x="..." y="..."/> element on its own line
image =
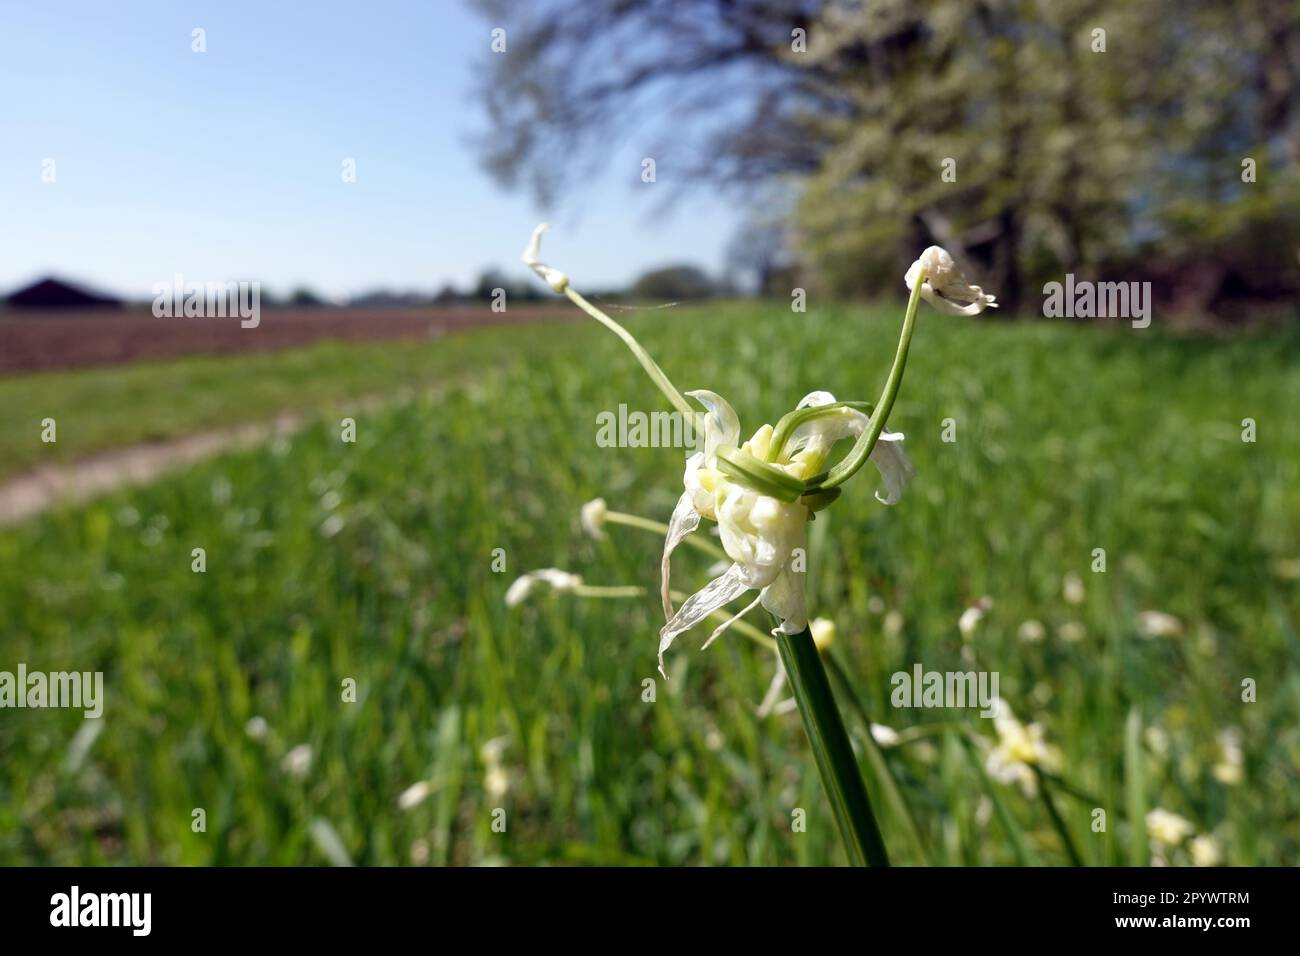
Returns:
<point x="831" y="748"/>
<point x="866" y="442"/>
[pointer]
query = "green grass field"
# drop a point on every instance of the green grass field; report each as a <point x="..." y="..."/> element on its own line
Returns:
<point x="102" y="408"/>
<point x="373" y="561"/>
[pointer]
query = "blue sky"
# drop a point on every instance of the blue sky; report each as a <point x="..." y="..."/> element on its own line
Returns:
<point x="227" y="164"/>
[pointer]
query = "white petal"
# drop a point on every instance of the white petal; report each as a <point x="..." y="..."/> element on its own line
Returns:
<point x="519" y="589"/>
<point x="824" y="431"/>
<point x="945" y="286"/>
<point x="556" y="279"/>
<point x="784" y="597"/>
<point x="722" y="426"/>
<point x="948" y="306"/>
<point x="593" y="517"/>
<point x="721" y="590"/>
<point x="522" y="586"/>
<point x="685" y="519"/>
<point x="816" y="399"/>
<point x="895" y="467"/>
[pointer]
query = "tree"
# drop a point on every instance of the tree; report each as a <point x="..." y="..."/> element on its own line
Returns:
<point x="1011" y="132"/>
<point x="681" y="283"/>
<point x="760" y="252"/>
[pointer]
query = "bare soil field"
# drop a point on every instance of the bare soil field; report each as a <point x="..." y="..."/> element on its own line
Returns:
<point x="35" y="341"/>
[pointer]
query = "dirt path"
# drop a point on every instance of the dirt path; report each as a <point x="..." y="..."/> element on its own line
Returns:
<point x="33" y="492"/>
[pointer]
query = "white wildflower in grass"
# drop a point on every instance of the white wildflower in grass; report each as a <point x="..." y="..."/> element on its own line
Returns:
<point x="945" y="287"/>
<point x="823" y="633"/>
<point x="593" y="518"/>
<point x="297" y="762"/>
<point x="884" y="735"/>
<point x="1158" y="624"/>
<point x="496" y="778"/>
<point x="492" y="750"/>
<point x="1072" y="588"/>
<point x="971" y="617"/>
<point x="257" y="728"/>
<point x="761" y="492"/>
<point x="1230" y="770"/>
<point x="1031" y="632"/>
<point x="523" y="585"/>
<point x="1019" y="750"/>
<point x="1071" y="632"/>
<point x="414" y="795"/>
<point x="1157" y="741"/>
<point x="1205" y="851"/>
<point x="1167" y="829"/>
<point x="496" y="782"/>
<point x="893" y="623"/>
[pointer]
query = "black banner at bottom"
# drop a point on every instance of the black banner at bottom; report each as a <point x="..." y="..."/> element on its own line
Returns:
<point x="494" y="905"/>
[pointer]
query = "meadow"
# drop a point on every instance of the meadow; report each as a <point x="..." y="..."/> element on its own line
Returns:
<point x="377" y="562"/>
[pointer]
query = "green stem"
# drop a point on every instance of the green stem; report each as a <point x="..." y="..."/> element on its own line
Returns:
<point x="893" y="796"/>
<point x="1070" y="849"/>
<point x="676" y="398"/>
<point x="831" y="748"/>
<point x="862" y="448"/>
<point x="658" y="527"/>
<point x="607" y="591"/>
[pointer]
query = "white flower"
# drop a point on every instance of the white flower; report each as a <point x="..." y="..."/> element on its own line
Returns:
<point x="414" y="795"/>
<point x="945" y="287"/>
<point x="257" y="728"/>
<point x="496" y="778"/>
<point x="1168" y="829"/>
<point x="496" y="782"/>
<point x="1019" y="750"/>
<point x="1229" y="770"/>
<point x="892" y="625"/>
<point x="297" y="761"/>
<point x="1158" y="624"/>
<point x="884" y="736"/>
<point x="523" y="585"/>
<point x="1157" y="740"/>
<point x="1072" y="632"/>
<point x="593" y="518"/>
<point x="556" y="279"/>
<point x="1032" y="632"/>
<point x="972" y="616"/>
<point x="823" y="632"/>
<point x="1205" y="851"/>
<point x="1072" y="589"/>
<point x="761" y="533"/>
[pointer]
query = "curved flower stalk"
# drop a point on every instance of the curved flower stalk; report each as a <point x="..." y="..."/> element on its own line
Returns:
<point x="561" y="582"/>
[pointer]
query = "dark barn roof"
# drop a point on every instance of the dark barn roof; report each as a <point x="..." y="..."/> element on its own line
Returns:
<point x="57" y="294"/>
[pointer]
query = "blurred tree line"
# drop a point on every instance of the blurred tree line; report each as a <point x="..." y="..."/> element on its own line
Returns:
<point x="1116" y="139"/>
